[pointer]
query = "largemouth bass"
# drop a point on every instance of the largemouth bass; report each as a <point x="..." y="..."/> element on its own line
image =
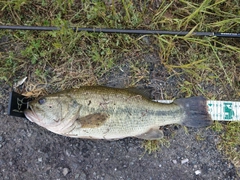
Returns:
<point x="110" y="113"/>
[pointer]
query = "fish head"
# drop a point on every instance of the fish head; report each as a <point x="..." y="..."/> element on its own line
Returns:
<point x="54" y="112"/>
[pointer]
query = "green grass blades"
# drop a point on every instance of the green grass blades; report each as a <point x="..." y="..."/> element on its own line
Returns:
<point x="155" y="145"/>
<point x="229" y="140"/>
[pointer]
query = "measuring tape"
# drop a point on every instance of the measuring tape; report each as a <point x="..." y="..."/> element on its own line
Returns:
<point x="224" y="110"/>
<point x="220" y="110"/>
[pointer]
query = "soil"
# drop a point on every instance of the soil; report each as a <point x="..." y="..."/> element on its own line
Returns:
<point x="28" y="151"/>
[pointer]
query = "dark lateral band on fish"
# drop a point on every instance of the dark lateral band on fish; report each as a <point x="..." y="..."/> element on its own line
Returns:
<point x="111" y="113"/>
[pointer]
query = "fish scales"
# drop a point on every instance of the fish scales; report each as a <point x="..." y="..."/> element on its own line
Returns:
<point x="111" y="113"/>
<point x="123" y="114"/>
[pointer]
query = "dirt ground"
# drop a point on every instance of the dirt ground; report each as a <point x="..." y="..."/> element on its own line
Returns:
<point x="28" y="151"/>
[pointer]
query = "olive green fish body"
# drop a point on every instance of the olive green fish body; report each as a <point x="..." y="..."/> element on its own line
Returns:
<point x="109" y="113"/>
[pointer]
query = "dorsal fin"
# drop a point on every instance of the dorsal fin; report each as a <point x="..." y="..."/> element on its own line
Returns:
<point x="143" y="92"/>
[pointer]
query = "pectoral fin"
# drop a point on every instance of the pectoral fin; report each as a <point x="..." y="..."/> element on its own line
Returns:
<point x="93" y="120"/>
<point x="151" y="134"/>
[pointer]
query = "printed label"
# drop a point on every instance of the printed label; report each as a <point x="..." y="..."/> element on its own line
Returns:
<point x="224" y="110"/>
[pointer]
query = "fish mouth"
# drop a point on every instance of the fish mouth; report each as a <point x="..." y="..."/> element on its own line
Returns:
<point x="30" y="115"/>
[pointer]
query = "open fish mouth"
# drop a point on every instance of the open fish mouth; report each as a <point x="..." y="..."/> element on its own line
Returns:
<point x="30" y="115"/>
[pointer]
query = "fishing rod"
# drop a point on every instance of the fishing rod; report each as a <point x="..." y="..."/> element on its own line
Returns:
<point x="124" y="31"/>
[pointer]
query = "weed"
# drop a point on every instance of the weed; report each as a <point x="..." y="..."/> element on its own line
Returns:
<point x="217" y="126"/>
<point x="155" y="145"/>
<point x="230" y="141"/>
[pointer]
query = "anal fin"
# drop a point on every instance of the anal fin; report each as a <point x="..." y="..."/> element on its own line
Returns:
<point x="151" y="134"/>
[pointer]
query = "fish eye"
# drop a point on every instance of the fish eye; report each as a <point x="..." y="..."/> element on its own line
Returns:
<point x="41" y="101"/>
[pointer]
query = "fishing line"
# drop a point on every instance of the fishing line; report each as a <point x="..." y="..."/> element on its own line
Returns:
<point x="124" y="31"/>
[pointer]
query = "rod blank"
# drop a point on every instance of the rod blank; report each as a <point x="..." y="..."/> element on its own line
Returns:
<point x="124" y="31"/>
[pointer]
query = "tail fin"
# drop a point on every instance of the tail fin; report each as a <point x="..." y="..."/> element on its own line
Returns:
<point x="196" y="111"/>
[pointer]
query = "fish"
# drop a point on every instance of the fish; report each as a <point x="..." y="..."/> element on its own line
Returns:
<point x="100" y="112"/>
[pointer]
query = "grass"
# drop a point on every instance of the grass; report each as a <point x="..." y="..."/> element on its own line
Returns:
<point x="229" y="135"/>
<point x="155" y="145"/>
<point x="62" y="59"/>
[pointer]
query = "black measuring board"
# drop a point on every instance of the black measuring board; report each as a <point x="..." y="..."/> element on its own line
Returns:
<point x="17" y="104"/>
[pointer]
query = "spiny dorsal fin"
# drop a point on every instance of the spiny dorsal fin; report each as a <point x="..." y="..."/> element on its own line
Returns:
<point x="143" y="92"/>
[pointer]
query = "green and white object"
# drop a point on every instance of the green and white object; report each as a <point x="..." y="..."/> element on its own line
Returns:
<point x="220" y="110"/>
<point x="224" y="110"/>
